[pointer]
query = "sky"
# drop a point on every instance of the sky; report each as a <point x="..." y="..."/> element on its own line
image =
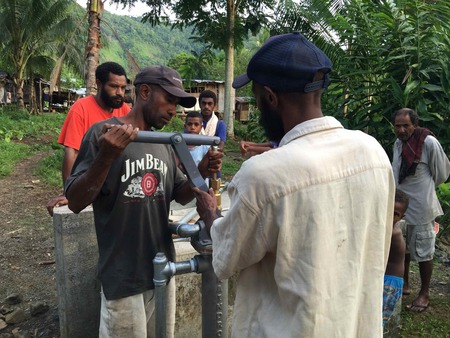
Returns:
<point x="138" y="9"/>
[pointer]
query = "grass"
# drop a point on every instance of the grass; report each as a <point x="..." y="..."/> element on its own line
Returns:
<point x="232" y="160"/>
<point x="11" y="154"/>
<point x="434" y="322"/>
<point x="22" y="135"/>
<point x="49" y="168"/>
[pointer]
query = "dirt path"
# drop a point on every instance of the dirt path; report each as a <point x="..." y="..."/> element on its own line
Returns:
<point x="26" y="248"/>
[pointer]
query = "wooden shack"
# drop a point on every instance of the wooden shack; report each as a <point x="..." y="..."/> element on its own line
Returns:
<point x="242" y="108"/>
<point x="7" y="89"/>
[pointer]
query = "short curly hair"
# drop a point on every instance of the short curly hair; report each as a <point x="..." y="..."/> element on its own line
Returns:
<point x="208" y="94"/>
<point x="103" y="70"/>
<point x="401" y="197"/>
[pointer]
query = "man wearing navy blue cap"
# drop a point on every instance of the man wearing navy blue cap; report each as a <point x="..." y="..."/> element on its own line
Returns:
<point x="310" y="222"/>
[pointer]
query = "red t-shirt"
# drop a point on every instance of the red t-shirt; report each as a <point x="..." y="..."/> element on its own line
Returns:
<point x="83" y="114"/>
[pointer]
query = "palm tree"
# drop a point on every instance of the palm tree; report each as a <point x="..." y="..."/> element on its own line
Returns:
<point x="386" y="55"/>
<point x="94" y="9"/>
<point x="31" y="32"/>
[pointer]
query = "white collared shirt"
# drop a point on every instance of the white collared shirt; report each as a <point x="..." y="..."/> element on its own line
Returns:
<point x="309" y="229"/>
<point x="432" y="170"/>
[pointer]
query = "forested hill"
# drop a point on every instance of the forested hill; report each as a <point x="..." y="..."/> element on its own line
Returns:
<point x="148" y="45"/>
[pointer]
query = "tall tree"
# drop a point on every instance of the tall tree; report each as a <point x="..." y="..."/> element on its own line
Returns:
<point x="93" y="45"/>
<point x="387" y="54"/>
<point x="192" y="66"/>
<point x="32" y="30"/>
<point x="223" y="24"/>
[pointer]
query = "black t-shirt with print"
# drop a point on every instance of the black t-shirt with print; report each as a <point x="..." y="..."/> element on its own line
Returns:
<point x="131" y="212"/>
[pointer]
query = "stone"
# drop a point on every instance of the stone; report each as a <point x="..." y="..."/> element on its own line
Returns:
<point x="2" y="324"/>
<point x="15" y="317"/>
<point x="20" y="334"/>
<point x="13" y="298"/>
<point x="5" y="309"/>
<point x="38" y="308"/>
<point x="6" y="335"/>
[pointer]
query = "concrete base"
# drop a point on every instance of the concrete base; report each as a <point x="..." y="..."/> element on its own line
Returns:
<point x="76" y="256"/>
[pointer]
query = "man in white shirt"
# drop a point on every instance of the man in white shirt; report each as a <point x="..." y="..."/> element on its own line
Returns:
<point x="310" y="222"/>
<point x="419" y="165"/>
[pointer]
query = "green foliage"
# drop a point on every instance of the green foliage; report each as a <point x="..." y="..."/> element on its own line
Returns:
<point x="18" y="125"/>
<point x="210" y="22"/>
<point x="11" y="154"/>
<point x="230" y="166"/>
<point x="386" y="55"/>
<point x="222" y="25"/>
<point x="250" y="130"/>
<point x="13" y="113"/>
<point x="31" y="33"/>
<point x="443" y="193"/>
<point x="148" y="45"/>
<point x="240" y="129"/>
<point x="49" y="168"/>
<point x="22" y="134"/>
<point x="9" y="118"/>
<point x="232" y="160"/>
<point x="255" y="132"/>
<point x="175" y="125"/>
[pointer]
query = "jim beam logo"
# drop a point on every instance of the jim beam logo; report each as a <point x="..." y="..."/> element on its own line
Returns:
<point x="149" y="181"/>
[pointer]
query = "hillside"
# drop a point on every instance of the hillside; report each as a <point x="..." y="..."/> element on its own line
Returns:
<point x="148" y="45"/>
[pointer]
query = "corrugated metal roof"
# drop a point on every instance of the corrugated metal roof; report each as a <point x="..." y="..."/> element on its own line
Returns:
<point x="244" y="99"/>
<point x="207" y="81"/>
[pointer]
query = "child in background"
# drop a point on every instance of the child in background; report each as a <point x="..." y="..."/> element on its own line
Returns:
<point x="393" y="278"/>
<point x="193" y="125"/>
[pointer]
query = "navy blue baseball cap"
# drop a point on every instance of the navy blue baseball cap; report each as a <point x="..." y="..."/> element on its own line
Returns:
<point x="287" y="63"/>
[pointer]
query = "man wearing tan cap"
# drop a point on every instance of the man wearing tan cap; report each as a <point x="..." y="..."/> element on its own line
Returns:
<point x="131" y="186"/>
<point x="310" y="222"/>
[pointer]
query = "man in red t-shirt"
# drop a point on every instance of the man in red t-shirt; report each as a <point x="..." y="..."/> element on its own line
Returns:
<point x="111" y="81"/>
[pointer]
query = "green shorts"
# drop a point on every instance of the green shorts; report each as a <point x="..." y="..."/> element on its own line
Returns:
<point x="420" y="241"/>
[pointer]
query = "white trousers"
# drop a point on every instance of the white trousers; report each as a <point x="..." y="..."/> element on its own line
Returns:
<point x="134" y="316"/>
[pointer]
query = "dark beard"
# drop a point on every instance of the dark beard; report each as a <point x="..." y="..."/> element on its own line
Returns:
<point x="271" y="122"/>
<point x="110" y="100"/>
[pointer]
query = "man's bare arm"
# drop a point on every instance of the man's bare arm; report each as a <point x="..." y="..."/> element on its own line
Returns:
<point x="112" y="141"/>
<point x="221" y="145"/>
<point x="70" y="155"/>
<point x="207" y="207"/>
<point x="210" y="163"/>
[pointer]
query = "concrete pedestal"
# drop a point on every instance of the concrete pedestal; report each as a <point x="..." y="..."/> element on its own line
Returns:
<point x="76" y="257"/>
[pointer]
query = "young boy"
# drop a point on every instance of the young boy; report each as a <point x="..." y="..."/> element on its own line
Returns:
<point x="193" y="125"/>
<point x="393" y="278"/>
